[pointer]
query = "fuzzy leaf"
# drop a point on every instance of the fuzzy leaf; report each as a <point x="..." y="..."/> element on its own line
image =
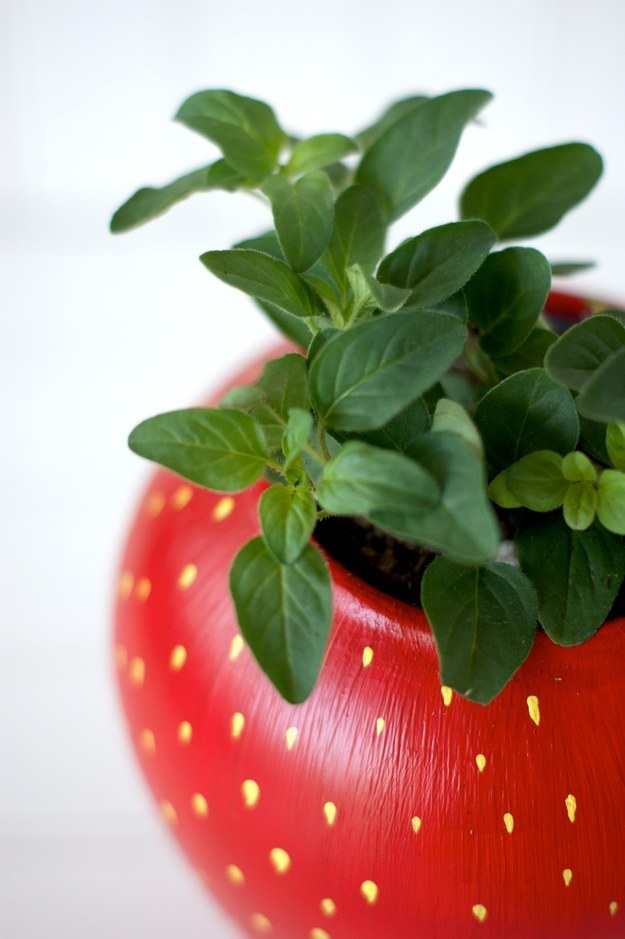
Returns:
<point x="287" y="518"/>
<point x="357" y="236"/>
<point x="583" y="349"/>
<point x="303" y="213"/>
<point x="603" y="396"/>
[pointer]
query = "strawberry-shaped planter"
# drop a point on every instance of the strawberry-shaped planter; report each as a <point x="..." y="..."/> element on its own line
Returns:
<point x="384" y="807"/>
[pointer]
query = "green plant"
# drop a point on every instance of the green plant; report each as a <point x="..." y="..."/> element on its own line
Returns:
<point x="434" y="398"/>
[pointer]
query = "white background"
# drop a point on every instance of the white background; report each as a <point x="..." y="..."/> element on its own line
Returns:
<point x="99" y="332"/>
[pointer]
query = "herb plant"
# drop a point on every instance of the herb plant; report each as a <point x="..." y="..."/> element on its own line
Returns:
<point x="431" y="397"/>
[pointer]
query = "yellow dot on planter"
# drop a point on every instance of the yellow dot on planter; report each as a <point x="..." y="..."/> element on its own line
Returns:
<point x="567" y="876"/>
<point x="480" y="912"/>
<point x="169" y="812"/>
<point x="143" y="589"/>
<point x="379" y="726"/>
<point x="415" y="821"/>
<point x="187" y="576"/>
<point x="121" y="657"/>
<point x="147" y="741"/>
<point x="126" y="583"/>
<point x="367" y="657"/>
<point x="250" y="791"/>
<point x="279" y="860"/>
<point x="155" y="503"/>
<point x="236" y="647"/>
<point x="223" y="509"/>
<point x="260" y="923"/>
<point x="370" y="891"/>
<point x="235" y="875"/>
<point x="447" y="694"/>
<point x="613" y="908"/>
<point x="330" y="812"/>
<point x="291" y="737"/>
<point x="181" y="497"/>
<point x="508" y="821"/>
<point x="534" y="708"/>
<point x="328" y="907"/>
<point x="199" y="805"/>
<point x="237" y="725"/>
<point x="317" y="933"/>
<point x="178" y="658"/>
<point x="480" y="759"/>
<point x="571" y="806"/>
<point x="136" y="672"/>
<point x="185" y="732"/>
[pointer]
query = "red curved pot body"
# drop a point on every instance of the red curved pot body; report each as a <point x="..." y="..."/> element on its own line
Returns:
<point x="383" y="807"/>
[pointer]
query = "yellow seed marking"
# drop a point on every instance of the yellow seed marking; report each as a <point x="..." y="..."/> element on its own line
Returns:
<point x="416" y="824"/>
<point x="251" y="793"/>
<point x="185" y="732"/>
<point x="370" y="891"/>
<point x="236" y="647"/>
<point x="235" y="875"/>
<point x="169" y="812"/>
<point x="613" y="908"/>
<point x="181" y="497"/>
<point x="177" y="658"/>
<point x="223" y="508"/>
<point x="143" y="589"/>
<point x="260" y="923"/>
<point x="199" y="805"/>
<point x="147" y="741"/>
<point x="291" y="737"/>
<point x="447" y="694"/>
<point x="379" y="726"/>
<point x="571" y="806"/>
<point x="367" y="657"/>
<point x="237" y="725"/>
<point x="328" y="907"/>
<point x="508" y="821"/>
<point x="330" y="812"/>
<point x="187" y="576"/>
<point x="480" y="912"/>
<point x="567" y="876"/>
<point x="155" y="503"/>
<point x="279" y="860"/>
<point x="126" y="583"/>
<point x="533" y="708"/>
<point x="480" y="759"/>
<point x="136" y="672"/>
<point x="121" y="657"/>
<point x="317" y="933"/>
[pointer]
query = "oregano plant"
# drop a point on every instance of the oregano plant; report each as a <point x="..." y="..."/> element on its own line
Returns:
<point x="427" y="398"/>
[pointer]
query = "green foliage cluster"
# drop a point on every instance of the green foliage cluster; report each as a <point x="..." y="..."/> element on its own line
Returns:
<point x="431" y="396"/>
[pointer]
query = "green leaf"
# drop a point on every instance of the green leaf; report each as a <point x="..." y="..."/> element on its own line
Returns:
<point x="529" y="195"/>
<point x="437" y="263"/>
<point x="576" y="467"/>
<point x="402" y="430"/>
<point x="592" y="439"/>
<point x="580" y="506"/>
<point x="603" y="396"/>
<point x="366" y="138"/>
<point x="280" y="389"/>
<point x="484" y="623"/>
<point x="583" y="348"/>
<point x="245" y="129"/>
<point x="303" y="213"/>
<point x="506" y="297"/>
<point x="364" y="376"/>
<point x="566" y="268"/>
<point x="615" y="443"/>
<point x="297" y="434"/>
<point x="526" y="412"/>
<point x="357" y="236"/>
<point x="611" y="501"/>
<point x="287" y="518"/>
<point x="413" y="154"/>
<point x="530" y="354"/>
<point x="264" y="278"/>
<point x="386" y="297"/>
<point x="451" y="417"/>
<point x="501" y="494"/>
<point x="285" y="612"/>
<point x="536" y="480"/>
<point x="220" y="449"/>
<point x="318" y="152"/>
<point x="577" y="575"/>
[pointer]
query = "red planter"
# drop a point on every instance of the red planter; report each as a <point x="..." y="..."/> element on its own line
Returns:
<point x="384" y="807"/>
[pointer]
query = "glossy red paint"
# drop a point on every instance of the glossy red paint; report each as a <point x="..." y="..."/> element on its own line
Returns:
<point x="383" y="807"/>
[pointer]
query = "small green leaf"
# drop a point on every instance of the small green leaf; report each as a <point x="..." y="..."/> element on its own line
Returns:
<point x="366" y="138"/>
<point x="583" y="349"/>
<point x="220" y="449"/>
<point x="484" y="623"/>
<point x="264" y="278"/>
<point x="529" y="195"/>
<point x="530" y="354"/>
<point x="580" y="506"/>
<point x="615" y="443"/>
<point x="285" y="612"/>
<point x="611" y="501"/>
<point x="364" y="376"/>
<point x="566" y="268"/>
<point x="603" y="396"/>
<point x="451" y="417"/>
<point x="576" y="467"/>
<point x="318" y="152"/>
<point x="357" y="236"/>
<point x="577" y="574"/>
<point x="245" y="129"/>
<point x="437" y="263"/>
<point x="526" y="412"/>
<point x="297" y="434"/>
<point x="386" y="297"/>
<point x="506" y="297"/>
<point x="501" y="494"/>
<point x="287" y="518"/>
<point x="303" y="213"/>
<point x="412" y="155"/>
<point x="536" y="480"/>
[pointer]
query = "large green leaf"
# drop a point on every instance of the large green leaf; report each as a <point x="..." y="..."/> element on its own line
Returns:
<point x="530" y="194"/>
<point x="583" y="349"/>
<point x="526" y="412"/>
<point x="437" y="263"/>
<point x="287" y="517"/>
<point x="264" y="278"/>
<point x="284" y="611"/>
<point x="506" y="297"/>
<point x="412" y="155"/>
<point x="303" y="213"/>
<point x="364" y="376"/>
<point x="367" y="137"/>
<point x="357" y="236"/>
<point x="245" y="129"/>
<point x="484" y="623"/>
<point x="603" y="396"/>
<point x="577" y="574"/>
<point x="319" y="151"/>
<point x="220" y="449"/>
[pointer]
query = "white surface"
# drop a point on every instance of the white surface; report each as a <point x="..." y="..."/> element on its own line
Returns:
<point x="97" y="333"/>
